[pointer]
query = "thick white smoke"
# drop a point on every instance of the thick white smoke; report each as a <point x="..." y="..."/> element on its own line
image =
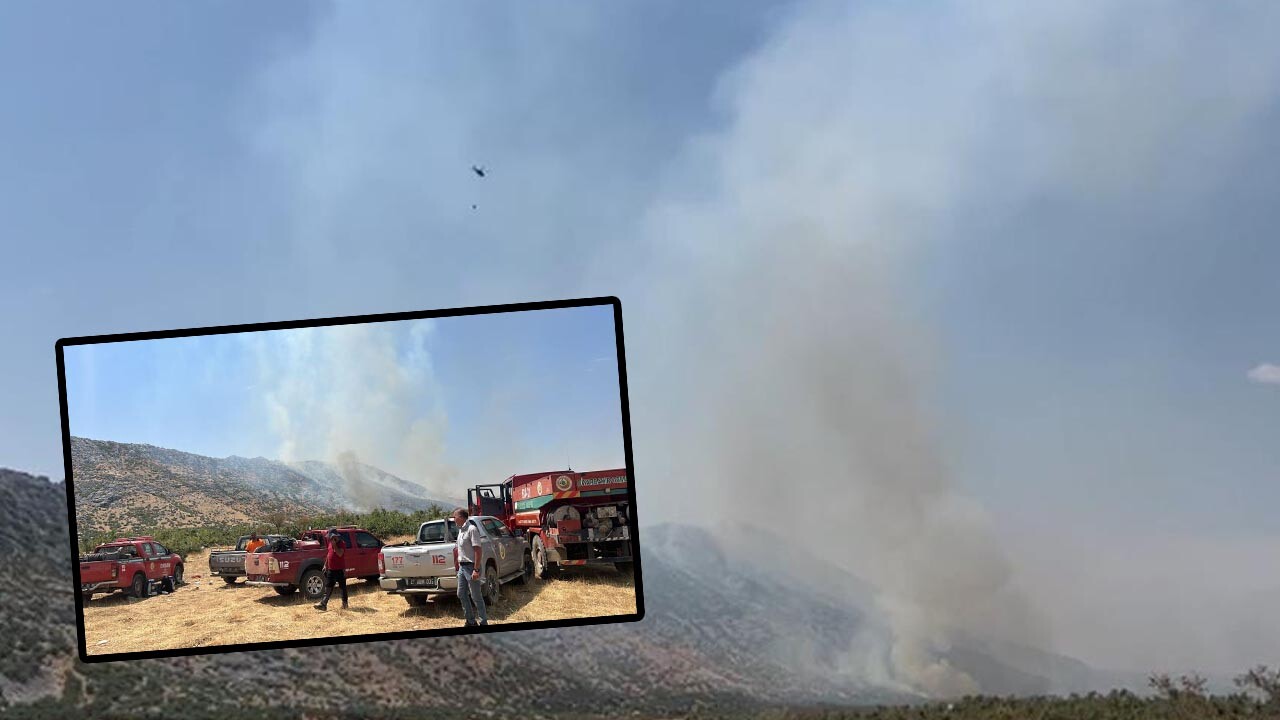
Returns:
<point x="779" y="373"/>
<point x="798" y="369"/>
<point x="357" y="393"/>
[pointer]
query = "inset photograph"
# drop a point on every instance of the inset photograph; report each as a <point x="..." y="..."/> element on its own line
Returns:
<point x="416" y="474"/>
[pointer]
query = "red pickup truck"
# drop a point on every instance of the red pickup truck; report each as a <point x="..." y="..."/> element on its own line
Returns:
<point x="128" y="564"/>
<point x="291" y="564"/>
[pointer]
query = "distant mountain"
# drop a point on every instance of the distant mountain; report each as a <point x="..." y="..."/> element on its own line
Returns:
<point x="710" y="637"/>
<point x="998" y="668"/>
<point x="720" y="630"/>
<point x="1007" y="669"/>
<point x="128" y="487"/>
<point x="38" y="621"/>
<point x="366" y="487"/>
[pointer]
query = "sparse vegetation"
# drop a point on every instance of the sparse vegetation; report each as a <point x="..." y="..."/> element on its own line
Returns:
<point x="123" y="488"/>
<point x="39" y="624"/>
<point x="1185" y="698"/>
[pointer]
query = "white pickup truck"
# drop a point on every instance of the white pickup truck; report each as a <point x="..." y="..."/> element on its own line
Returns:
<point x="428" y="567"/>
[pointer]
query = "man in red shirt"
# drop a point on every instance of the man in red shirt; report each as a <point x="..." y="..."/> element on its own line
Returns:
<point x="335" y="569"/>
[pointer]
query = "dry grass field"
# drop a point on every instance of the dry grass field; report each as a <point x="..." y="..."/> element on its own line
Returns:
<point x="206" y="611"/>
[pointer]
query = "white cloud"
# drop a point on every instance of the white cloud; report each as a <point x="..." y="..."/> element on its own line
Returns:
<point x="1266" y="373"/>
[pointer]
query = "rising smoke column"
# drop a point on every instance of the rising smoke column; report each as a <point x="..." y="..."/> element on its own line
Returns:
<point x="775" y="368"/>
<point x="353" y="394"/>
<point x="780" y="366"/>
<point x="798" y="391"/>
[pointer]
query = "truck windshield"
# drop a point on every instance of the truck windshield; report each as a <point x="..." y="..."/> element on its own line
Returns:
<point x="435" y="532"/>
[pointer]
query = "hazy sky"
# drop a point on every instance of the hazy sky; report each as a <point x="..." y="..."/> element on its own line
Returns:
<point x="1074" y="204"/>
<point x="445" y="402"/>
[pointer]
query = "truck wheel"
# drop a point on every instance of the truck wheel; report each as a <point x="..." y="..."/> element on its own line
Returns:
<point x="228" y="579"/>
<point x="492" y="589"/>
<point x="177" y="576"/>
<point x="313" y="584"/>
<point x="542" y="568"/>
<point x="526" y="574"/>
<point x="138" y="588"/>
<point x="286" y="590"/>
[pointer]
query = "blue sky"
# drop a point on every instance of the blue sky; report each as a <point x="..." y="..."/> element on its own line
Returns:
<point x="1020" y="254"/>
<point x="524" y="389"/>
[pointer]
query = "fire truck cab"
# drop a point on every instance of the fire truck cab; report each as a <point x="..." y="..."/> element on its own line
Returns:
<point x="569" y="518"/>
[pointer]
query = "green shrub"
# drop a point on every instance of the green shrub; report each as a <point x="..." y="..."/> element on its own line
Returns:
<point x="382" y="522"/>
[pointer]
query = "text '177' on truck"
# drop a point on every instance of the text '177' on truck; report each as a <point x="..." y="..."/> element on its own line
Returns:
<point x="129" y="565"/>
<point x="570" y="518"/>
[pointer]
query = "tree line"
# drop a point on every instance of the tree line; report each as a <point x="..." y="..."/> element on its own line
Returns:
<point x="382" y="522"/>
<point x="1185" y="698"/>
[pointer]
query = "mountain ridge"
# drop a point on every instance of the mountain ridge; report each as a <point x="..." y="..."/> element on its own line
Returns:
<point x="668" y="662"/>
<point x="136" y="486"/>
<point x="717" y="630"/>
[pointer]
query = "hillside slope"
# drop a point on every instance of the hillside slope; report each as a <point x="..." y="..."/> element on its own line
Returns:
<point x="129" y="487"/>
<point x="365" y="487"/>
<point x="718" y="630"/>
<point x="38" y="620"/>
<point x="699" y="643"/>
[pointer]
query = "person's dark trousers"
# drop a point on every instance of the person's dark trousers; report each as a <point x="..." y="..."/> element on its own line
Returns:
<point x="471" y="593"/>
<point x="330" y="578"/>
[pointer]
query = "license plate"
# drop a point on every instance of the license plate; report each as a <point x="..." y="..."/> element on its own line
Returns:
<point x="422" y="582"/>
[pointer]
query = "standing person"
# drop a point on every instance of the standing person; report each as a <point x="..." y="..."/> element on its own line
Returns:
<point x="335" y="570"/>
<point x="254" y="543"/>
<point x="469" y="564"/>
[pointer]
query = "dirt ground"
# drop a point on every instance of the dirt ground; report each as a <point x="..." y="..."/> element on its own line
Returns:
<point x="205" y="611"/>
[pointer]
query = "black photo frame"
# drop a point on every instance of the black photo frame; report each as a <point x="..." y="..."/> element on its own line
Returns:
<point x="616" y="304"/>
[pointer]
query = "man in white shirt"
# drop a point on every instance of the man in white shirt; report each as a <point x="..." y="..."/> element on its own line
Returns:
<point x="470" y="577"/>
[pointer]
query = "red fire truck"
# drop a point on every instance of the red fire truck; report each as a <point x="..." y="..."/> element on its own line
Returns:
<point x="568" y="518"/>
<point x="128" y="564"/>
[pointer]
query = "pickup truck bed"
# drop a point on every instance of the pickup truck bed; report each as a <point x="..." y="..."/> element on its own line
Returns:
<point x="289" y="565"/>
<point x="427" y="568"/>
<point x="228" y="564"/>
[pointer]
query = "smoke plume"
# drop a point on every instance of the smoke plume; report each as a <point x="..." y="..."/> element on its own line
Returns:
<point x="800" y="387"/>
<point x="781" y="365"/>
<point x="779" y="370"/>
<point x="357" y="393"/>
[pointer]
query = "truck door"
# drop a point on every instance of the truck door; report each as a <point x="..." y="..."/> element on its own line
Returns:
<point x="364" y="555"/>
<point x="150" y="563"/>
<point x="508" y="558"/>
<point x="164" y="559"/>
<point x="490" y="502"/>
